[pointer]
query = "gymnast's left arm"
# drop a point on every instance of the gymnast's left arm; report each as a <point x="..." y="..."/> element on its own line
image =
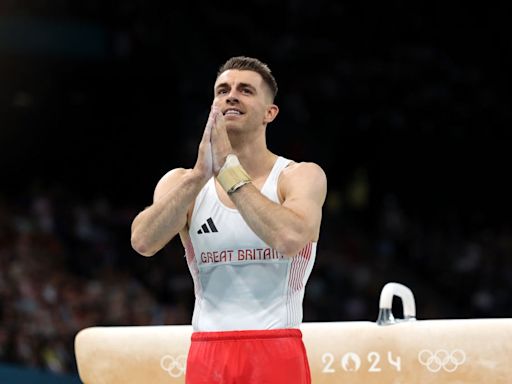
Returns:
<point x="289" y="226"/>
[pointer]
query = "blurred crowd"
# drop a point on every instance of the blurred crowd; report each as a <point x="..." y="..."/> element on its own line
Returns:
<point x="64" y="267"/>
<point x="66" y="264"/>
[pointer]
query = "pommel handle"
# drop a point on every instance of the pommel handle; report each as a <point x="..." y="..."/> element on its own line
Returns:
<point x="386" y="303"/>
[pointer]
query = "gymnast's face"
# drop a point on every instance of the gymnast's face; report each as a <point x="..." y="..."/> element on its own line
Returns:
<point x="244" y="99"/>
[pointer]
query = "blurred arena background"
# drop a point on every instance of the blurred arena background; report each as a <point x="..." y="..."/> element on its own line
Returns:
<point x="407" y="107"/>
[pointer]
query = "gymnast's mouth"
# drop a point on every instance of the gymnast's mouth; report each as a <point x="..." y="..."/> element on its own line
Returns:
<point x="232" y="112"/>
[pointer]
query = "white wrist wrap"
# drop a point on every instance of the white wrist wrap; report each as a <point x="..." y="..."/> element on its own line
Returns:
<point x="232" y="176"/>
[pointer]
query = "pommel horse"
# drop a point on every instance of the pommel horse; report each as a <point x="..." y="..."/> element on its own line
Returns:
<point x="394" y="351"/>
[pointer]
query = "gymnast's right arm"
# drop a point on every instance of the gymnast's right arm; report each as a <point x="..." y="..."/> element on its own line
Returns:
<point x="155" y="226"/>
<point x="174" y="195"/>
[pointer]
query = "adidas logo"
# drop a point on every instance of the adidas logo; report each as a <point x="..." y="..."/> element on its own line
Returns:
<point x="208" y="227"/>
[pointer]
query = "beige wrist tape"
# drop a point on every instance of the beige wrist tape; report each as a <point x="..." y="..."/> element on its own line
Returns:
<point x="232" y="176"/>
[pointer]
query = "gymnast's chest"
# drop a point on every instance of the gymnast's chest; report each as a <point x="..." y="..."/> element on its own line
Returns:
<point x="218" y="228"/>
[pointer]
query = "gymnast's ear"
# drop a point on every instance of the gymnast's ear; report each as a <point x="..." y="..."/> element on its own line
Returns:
<point x="270" y="113"/>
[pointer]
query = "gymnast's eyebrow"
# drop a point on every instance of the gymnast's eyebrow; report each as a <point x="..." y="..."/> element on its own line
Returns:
<point x="240" y="85"/>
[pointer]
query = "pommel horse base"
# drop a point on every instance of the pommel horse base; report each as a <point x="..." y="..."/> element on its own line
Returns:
<point x="394" y="351"/>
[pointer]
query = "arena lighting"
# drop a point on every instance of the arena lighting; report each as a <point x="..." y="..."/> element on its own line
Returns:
<point x="360" y="352"/>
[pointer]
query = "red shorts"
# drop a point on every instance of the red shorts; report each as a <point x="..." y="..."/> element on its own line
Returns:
<point x="244" y="357"/>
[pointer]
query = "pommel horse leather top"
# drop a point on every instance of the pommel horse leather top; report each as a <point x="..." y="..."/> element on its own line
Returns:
<point x="397" y="351"/>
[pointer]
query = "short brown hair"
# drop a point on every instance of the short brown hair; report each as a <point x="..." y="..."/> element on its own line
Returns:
<point x="244" y="63"/>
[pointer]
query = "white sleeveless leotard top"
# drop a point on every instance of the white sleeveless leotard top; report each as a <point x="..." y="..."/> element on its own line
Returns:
<point x="240" y="282"/>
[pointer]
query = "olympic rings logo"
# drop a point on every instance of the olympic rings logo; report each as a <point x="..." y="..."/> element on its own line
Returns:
<point x="442" y="359"/>
<point x="175" y="367"/>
